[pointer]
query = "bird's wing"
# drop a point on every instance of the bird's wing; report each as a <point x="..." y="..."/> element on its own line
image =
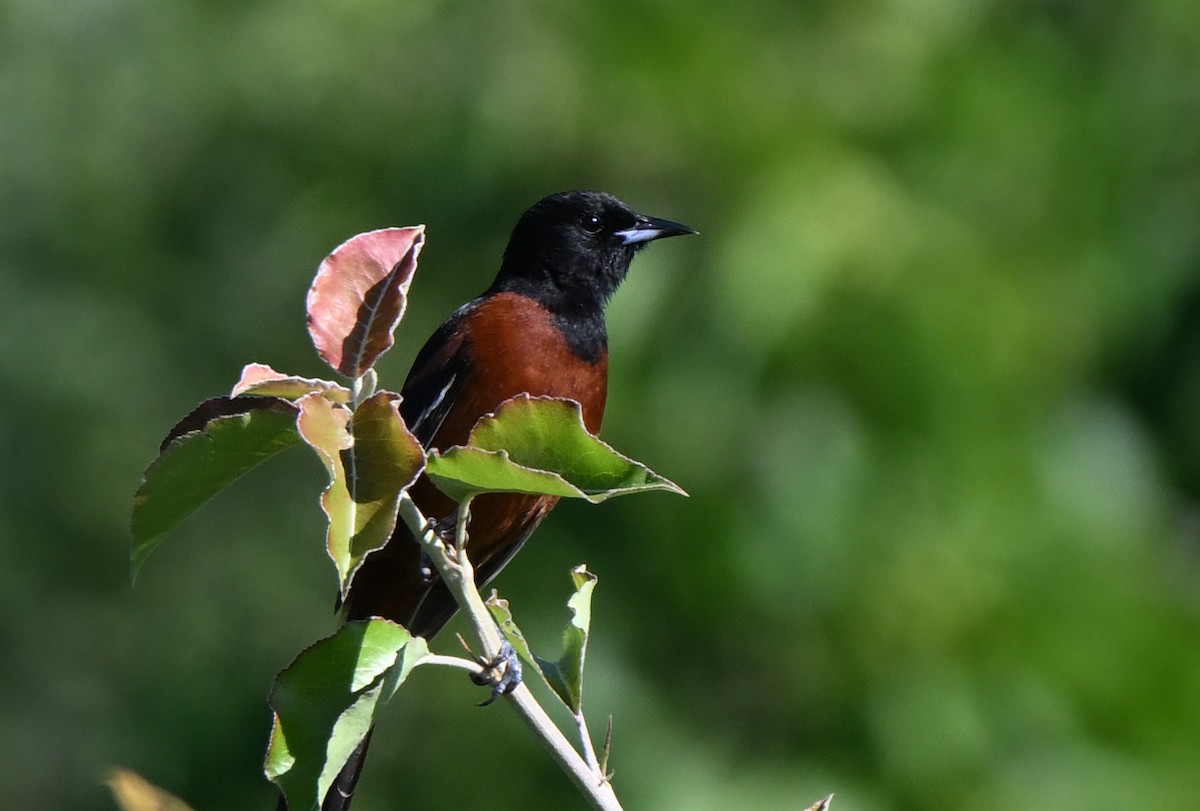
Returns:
<point x="437" y="375"/>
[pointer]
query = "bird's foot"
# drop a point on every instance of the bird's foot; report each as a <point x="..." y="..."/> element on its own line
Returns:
<point x="444" y="530"/>
<point x="425" y="569"/>
<point x="503" y="673"/>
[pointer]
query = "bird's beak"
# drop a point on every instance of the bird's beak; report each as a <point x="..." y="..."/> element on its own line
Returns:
<point x="645" y="229"/>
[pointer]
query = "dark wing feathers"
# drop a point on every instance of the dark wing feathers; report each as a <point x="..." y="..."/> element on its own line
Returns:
<point x="437" y="374"/>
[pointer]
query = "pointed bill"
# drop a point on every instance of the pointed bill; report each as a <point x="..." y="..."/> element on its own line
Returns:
<point x="646" y="229"/>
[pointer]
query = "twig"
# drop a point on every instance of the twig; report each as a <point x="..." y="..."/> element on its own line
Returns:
<point x="452" y="661"/>
<point x="585" y="743"/>
<point x="456" y="570"/>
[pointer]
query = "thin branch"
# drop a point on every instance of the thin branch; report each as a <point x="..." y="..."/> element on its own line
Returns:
<point x="361" y="388"/>
<point x="585" y="742"/>
<point x="452" y="661"/>
<point x="593" y="785"/>
<point x="459" y="576"/>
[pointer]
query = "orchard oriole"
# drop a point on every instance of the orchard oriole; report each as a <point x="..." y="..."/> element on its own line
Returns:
<point x="539" y="330"/>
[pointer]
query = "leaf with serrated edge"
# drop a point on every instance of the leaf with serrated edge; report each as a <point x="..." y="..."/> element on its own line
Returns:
<point x="575" y="635"/>
<point x="371" y="458"/>
<point x="196" y="465"/>
<point x="359" y="295"/>
<point x="327" y="699"/>
<point x="565" y="676"/>
<point x="199" y="417"/>
<point x="258" y="378"/>
<point x="501" y="613"/>
<point x="539" y="445"/>
<point x="461" y="472"/>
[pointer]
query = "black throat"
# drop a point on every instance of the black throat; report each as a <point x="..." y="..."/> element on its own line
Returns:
<point x="586" y="337"/>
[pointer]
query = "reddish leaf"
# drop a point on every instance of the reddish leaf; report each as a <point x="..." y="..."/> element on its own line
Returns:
<point x="371" y="457"/>
<point x="258" y="378"/>
<point x="359" y="295"/>
<point x="209" y="410"/>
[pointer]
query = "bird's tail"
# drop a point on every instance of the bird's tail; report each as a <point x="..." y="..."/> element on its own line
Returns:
<point x="342" y="790"/>
<point x="340" y="793"/>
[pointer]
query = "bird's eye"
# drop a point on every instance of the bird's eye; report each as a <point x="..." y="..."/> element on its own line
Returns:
<point x="591" y="223"/>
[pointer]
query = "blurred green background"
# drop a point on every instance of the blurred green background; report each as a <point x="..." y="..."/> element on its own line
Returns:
<point x="931" y="375"/>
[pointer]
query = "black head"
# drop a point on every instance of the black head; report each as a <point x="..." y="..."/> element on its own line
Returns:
<point x="572" y="250"/>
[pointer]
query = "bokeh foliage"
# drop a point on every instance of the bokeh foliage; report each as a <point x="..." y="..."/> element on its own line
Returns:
<point x="931" y="375"/>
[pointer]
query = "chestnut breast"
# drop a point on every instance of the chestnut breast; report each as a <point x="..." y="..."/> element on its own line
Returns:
<point x="513" y="346"/>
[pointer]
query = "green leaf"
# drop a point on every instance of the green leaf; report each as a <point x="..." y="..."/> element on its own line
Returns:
<point x="371" y="458"/>
<point x="258" y="378"/>
<point x="214" y="445"/>
<point x="326" y="701"/>
<point x="501" y="613"/>
<point x="565" y="676"/>
<point x="462" y="472"/>
<point x="539" y="445"/>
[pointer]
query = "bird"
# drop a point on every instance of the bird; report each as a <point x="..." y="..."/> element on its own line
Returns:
<point x="539" y="330"/>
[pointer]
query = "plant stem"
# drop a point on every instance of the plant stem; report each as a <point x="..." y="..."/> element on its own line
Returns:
<point x="451" y="661"/>
<point x="459" y="575"/>
<point x="585" y="743"/>
<point x="362" y="387"/>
